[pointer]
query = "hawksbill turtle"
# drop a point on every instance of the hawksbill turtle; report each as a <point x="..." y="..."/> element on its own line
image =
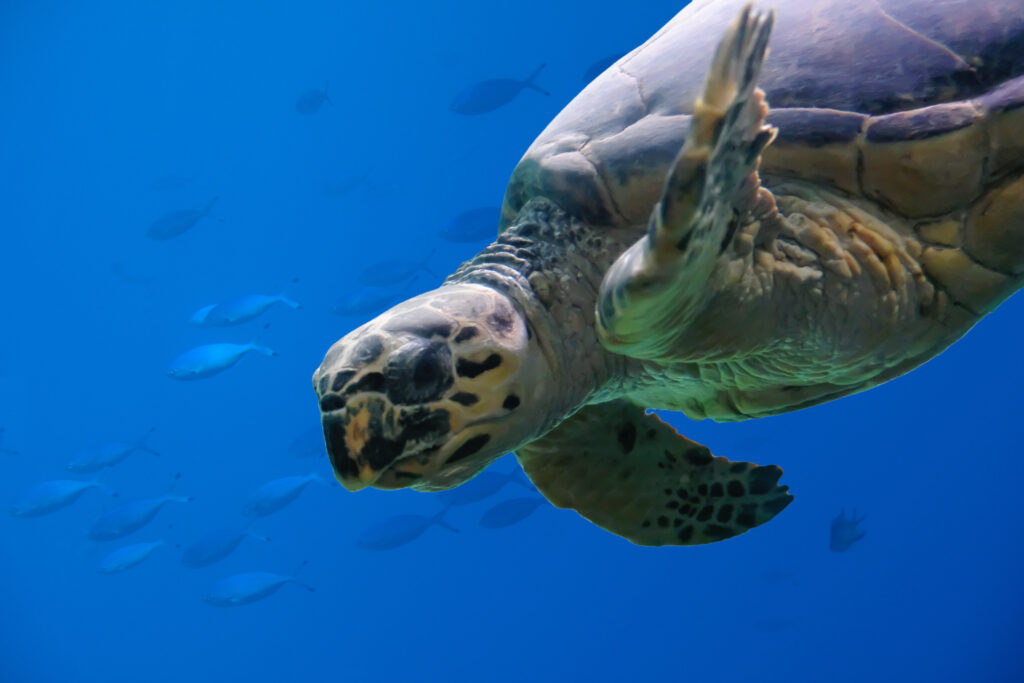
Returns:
<point x="670" y="243"/>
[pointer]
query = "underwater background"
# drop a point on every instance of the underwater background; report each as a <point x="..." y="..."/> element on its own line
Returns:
<point x="330" y="137"/>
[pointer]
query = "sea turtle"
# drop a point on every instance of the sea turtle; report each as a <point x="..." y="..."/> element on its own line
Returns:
<point x="668" y="243"/>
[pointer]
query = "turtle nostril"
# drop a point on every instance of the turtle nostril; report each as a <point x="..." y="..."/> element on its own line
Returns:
<point x="331" y="402"/>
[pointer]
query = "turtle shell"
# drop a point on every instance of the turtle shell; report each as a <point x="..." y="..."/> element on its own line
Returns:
<point x="836" y="70"/>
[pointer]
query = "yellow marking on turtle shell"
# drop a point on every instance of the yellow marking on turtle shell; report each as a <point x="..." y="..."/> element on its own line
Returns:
<point x="835" y="164"/>
<point x="994" y="231"/>
<point x="973" y="285"/>
<point x="927" y="177"/>
<point x="1006" y="141"/>
<point x="945" y="232"/>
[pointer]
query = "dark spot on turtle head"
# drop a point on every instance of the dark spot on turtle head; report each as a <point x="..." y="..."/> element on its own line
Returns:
<point x="341" y="379"/>
<point x="702" y="490"/>
<point x="685" y="534"/>
<point x="735" y="489"/>
<point x="627" y="437"/>
<point x="716" y="490"/>
<point x="465" y="334"/>
<point x="501" y="321"/>
<point x="705" y="513"/>
<point x="371" y="381"/>
<point x="663" y="521"/>
<point x="321" y="387"/>
<point x="379" y="451"/>
<point x="764" y="479"/>
<point x="511" y="402"/>
<point x="425" y="425"/>
<point x="337" y="451"/>
<point x="698" y="455"/>
<point x="423" y="323"/>
<point x="465" y="398"/>
<point x="469" y="448"/>
<point x="366" y="351"/>
<point x="331" y="402"/>
<point x="471" y="368"/>
<point x="717" y="532"/>
<point x="738" y="467"/>
<point x="418" y="372"/>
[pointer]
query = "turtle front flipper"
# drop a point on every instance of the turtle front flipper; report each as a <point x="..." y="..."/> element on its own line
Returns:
<point x="660" y="284"/>
<point x="634" y="475"/>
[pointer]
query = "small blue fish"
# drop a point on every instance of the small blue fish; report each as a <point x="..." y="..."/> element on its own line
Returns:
<point x="243" y="589"/>
<point x="240" y="309"/>
<point x="599" y="67"/>
<point x="475" y="225"/>
<point x="310" y="101"/>
<point x="508" y="512"/>
<point x="211" y="359"/>
<point x="127" y="557"/>
<point x="483" y="485"/>
<point x="394" y="532"/>
<point x="275" y="495"/>
<point x="493" y="93"/>
<point x="845" y="531"/>
<point x="4" y="451"/>
<point x="129" y="517"/>
<point x="363" y="303"/>
<point x="214" y="547"/>
<point x="50" y="496"/>
<point x="395" y="272"/>
<point x="178" y="222"/>
<point x="108" y="455"/>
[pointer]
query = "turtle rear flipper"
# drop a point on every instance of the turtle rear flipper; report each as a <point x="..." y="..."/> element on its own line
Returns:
<point x="660" y="284"/>
<point x="632" y="474"/>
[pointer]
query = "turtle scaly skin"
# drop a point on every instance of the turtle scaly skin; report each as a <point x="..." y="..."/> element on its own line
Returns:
<point x="671" y="242"/>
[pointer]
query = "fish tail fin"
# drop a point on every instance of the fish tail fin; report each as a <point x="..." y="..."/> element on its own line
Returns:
<point x="142" y="444"/>
<point x="529" y="82"/>
<point x="439" y="520"/>
<point x="283" y="296"/>
<point x="253" y="346"/>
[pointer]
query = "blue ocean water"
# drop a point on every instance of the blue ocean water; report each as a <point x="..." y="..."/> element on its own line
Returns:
<point x="116" y="115"/>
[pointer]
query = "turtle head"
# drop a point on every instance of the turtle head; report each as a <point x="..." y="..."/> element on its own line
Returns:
<point x="432" y="391"/>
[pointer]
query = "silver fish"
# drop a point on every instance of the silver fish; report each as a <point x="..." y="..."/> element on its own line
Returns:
<point x="211" y="359"/>
<point x="246" y="588"/>
<point x="845" y="531"/>
<point x="127" y="557"/>
<point x="214" y="547"/>
<point x="129" y="517"/>
<point x="508" y="512"/>
<point x="108" y="454"/>
<point x="50" y="496"/>
<point x="310" y="101"/>
<point x="177" y="222"/>
<point x="394" y="532"/>
<point x="275" y="495"/>
<point x="488" y="95"/>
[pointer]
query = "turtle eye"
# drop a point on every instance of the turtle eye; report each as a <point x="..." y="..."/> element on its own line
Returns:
<point x="419" y="372"/>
